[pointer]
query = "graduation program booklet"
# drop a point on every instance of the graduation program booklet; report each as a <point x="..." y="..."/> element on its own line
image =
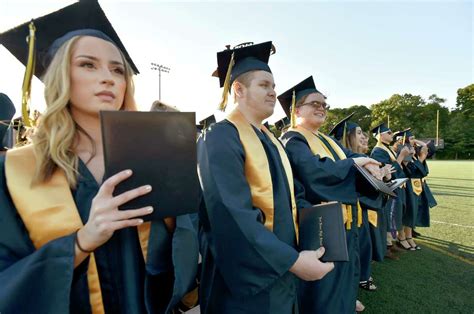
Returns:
<point x="323" y="225"/>
<point x="160" y="149"/>
<point x="376" y="184"/>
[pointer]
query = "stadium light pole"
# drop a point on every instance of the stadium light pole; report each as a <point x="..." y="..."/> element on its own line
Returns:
<point x="160" y="68"/>
<point x="437" y="127"/>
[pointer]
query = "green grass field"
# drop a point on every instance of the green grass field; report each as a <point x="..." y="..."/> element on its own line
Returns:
<point x="440" y="277"/>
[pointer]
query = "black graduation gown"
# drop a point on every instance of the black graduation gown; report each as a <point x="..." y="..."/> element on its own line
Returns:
<point x="413" y="170"/>
<point x="45" y="281"/>
<point x="426" y="202"/>
<point x="327" y="180"/>
<point x="394" y="207"/>
<point x="370" y="243"/>
<point x="245" y="266"/>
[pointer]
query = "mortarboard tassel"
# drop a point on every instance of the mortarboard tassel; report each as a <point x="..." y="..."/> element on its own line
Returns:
<point x="404" y="138"/>
<point x="225" y="92"/>
<point x="30" y="68"/>
<point x="293" y="111"/>
<point x="379" y="140"/>
<point x="344" y="135"/>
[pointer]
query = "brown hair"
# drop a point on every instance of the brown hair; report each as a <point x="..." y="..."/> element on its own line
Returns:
<point x="350" y="141"/>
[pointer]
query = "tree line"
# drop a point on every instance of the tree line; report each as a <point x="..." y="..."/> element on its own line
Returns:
<point x="456" y="126"/>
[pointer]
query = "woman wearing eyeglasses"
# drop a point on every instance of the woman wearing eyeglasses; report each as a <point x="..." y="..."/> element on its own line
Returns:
<point x="327" y="171"/>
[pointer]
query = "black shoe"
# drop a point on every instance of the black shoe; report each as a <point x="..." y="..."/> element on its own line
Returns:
<point x="415" y="246"/>
<point x="368" y="285"/>
<point x="415" y="234"/>
<point x="405" y="245"/>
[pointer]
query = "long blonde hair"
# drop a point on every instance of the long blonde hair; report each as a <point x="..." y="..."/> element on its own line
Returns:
<point x="57" y="132"/>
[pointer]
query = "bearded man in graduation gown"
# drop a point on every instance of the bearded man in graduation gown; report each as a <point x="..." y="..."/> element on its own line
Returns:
<point x="248" y="222"/>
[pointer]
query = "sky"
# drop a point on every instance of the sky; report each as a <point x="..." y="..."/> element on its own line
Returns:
<point x="359" y="52"/>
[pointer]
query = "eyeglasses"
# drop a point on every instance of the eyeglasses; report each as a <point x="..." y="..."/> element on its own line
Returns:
<point x="317" y="105"/>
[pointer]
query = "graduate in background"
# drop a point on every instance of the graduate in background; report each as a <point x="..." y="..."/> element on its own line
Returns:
<point x="64" y="245"/>
<point x="350" y="135"/>
<point x="415" y="168"/>
<point x="427" y="199"/>
<point x="327" y="172"/>
<point x="394" y="208"/>
<point x="378" y="239"/>
<point x="248" y="224"/>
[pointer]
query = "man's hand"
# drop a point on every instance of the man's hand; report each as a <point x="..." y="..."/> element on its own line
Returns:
<point x="308" y="266"/>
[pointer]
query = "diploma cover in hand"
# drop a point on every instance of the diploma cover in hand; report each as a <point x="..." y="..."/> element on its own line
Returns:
<point x="323" y="225"/>
<point x="376" y="184"/>
<point x="160" y="149"/>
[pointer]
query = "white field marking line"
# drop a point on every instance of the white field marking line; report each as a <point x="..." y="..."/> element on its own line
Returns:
<point x="451" y="224"/>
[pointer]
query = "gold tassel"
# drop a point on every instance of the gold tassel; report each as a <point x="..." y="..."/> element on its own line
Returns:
<point x="404" y="138"/>
<point x="349" y="217"/>
<point x="359" y="214"/>
<point x="344" y="135"/>
<point x="225" y="92"/>
<point x="379" y="140"/>
<point x="30" y="69"/>
<point x="293" y="111"/>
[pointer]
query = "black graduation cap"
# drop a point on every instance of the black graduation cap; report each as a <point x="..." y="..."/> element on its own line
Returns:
<point x="300" y="90"/>
<point x="231" y="63"/>
<point x="379" y="129"/>
<point x="207" y="122"/>
<point x="405" y="134"/>
<point x="7" y="111"/>
<point x="52" y="30"/>
<point x="282" y="123"/>
<point x="431" y="149"/>
<point x="7" y="108"/>
<point x="343" y="127"/>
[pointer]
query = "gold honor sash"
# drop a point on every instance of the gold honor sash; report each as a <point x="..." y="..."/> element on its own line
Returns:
<point x="372" y="214"/>
<point x="388" y="150"/>
<point x="392" y="157"/>
<point x="49" y="212"/>
<point x="257" y="169"/>
<point x="318" y="147"/>
<point x="417" y="186"/>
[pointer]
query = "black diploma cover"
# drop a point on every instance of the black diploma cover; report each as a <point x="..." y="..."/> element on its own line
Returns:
<point x="160" y="149"/>
<point x="376" y="184"/>
<point x="323" y="225"/>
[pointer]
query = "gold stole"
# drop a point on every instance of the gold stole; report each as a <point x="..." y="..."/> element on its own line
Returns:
<point x="257" y="169"/>
<point x="49" y="212"/>
<point x="388" y="150"/>
<point x="372" y="214"/>
<point x="417" y="186"/>
<point x="392" y="157"/>
<point x="319" y="148"/>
